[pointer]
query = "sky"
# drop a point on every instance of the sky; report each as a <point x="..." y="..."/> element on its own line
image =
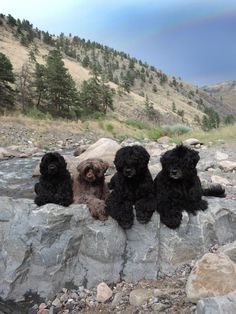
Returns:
<point x="191" y="39"/>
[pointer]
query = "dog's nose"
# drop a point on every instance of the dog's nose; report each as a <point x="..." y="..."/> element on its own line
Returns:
<point x="128" y="171"/>
<point x="174" y="171"/>
<point x="51" y="167"/>
<point x="89" y="174"/>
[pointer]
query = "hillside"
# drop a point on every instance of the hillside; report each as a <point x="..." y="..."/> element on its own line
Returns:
<point x="172" y="100"/>
<point x="225" y="91"/>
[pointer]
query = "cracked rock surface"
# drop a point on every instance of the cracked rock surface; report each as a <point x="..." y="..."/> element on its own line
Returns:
<point x="43" y="249"/>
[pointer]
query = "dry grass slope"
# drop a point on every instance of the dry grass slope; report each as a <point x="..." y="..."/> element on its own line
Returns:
<point x="126" y="105"/>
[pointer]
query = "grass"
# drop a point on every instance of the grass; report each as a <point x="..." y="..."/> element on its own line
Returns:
<point x="226" y="133"/>
<point x="113" y="127"/>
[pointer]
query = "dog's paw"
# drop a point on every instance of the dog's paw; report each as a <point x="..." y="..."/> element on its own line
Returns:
<point x="203" y="205"/>
<point x="172" y="222"/>
<point x="144" y="218"/>
<point x="125" y="224"/>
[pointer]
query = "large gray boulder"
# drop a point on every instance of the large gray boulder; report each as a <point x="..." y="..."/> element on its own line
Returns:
<point x="43" y="249"/>
<point x="196" y="234"/>
<point x="225" y="304"/>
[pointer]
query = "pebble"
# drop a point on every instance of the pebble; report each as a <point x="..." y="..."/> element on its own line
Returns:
<point x="140" y="296"/>
<point x="117" y="299"/>
<point x="104" y="293"/>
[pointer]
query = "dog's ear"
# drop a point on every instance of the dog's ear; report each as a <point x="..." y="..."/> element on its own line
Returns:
<point x="103" y="165"/>
<point x="194" y="155"/>
<point x="81" y="166"/>
<point x="43" y="163"/>
<point x="142" y="154"/>
<point x="165" y="158"/>
<point x="61" y="160"/>
<point x="119" y="159"/>
<point x="46" y="157"/>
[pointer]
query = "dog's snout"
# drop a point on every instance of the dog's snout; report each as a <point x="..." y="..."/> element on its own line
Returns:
<point x="128" y="170"/>
<point x="174" y="171"/>
<point x="51" y="167"/>
<point x="89" y="173"/>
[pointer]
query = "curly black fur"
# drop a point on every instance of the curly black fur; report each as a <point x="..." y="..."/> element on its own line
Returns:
<point x="55" y="183"/>
<point x="178" y="186"/>
<point x="132" y="184"/>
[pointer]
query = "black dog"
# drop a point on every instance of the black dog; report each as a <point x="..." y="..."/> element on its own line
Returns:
<point x="178" y="186"/>
<point x="132" y="184"/>
<point x="55" y="184"/>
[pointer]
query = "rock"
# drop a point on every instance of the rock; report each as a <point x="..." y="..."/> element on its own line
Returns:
<point x="142" y="250"/>
<point x="140" y="296"/>
<point x="155" y="169"/>
<point x="42" y="306"/>
<point x="45" y="248"/>
<point x="191" y="142"/>
<point x="221" y="156"/>
<point x="155" y="152"/>
<point x="104" y="148"/>
<point x="117" y="299"/>
<point x="56" y="302"/>
<point x="219" y="180"/>
<point x="218" y="305"/>
<point x="104" y="293"/>
<point x="229" y="250"/>
<point x="205" y="165"/>
<point x="214" y="274"/>
<point x="158" y="307"/>
<point x="160" y="293"/>
<point x="45" y="311"/>
<point x="164" y="140"/>
<point x="80" y="149"/>
<point x="42" y="248"/>
<point x="197" y="234"/>
<point x="227" y="166"/>
<point x="5" y="153"/>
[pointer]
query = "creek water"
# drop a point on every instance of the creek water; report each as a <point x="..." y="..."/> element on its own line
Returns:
<point x="16" y="177"/>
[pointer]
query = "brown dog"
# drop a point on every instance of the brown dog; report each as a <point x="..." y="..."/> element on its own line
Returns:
<point x="89" y="186"/>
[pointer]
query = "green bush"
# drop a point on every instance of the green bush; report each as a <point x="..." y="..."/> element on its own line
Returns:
<point x="35" y="113"/>
<point x="154" y="134"/>
<point x="110" y="127"/>
<point x="176" y="129"/>
<point x="229" y="119"/>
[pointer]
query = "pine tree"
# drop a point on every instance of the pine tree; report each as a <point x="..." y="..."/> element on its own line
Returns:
<point x="95" y="96"/>
<point x="6" y="77"/>
<point x="6" y="70"/>
<point x="211" y="120"/>
<point x="61" y="89"/>
<point x="39" y="83"/>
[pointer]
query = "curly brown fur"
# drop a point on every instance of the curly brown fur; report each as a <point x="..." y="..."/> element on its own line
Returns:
<point x="132" y="185"/>
<point x="178" y="186"/>
<point x="55" y="184"/>
<point x="89" y="186"/>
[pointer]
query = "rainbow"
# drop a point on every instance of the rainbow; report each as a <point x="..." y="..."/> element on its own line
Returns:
<point x="175" y="26"/>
